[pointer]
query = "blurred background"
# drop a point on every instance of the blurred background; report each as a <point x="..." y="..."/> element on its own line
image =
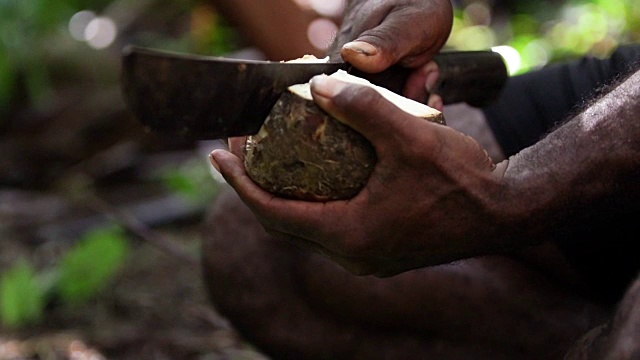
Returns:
<point x="100" y="218"/>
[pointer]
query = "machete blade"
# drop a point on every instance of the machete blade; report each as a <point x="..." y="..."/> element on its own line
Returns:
<point x="207" y="97"/>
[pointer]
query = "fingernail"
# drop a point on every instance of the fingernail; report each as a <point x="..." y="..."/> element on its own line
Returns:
<point x="326" y="86"/>
<point x="431" y="81"/>
<point x="361" y="47"/>
<point x="213" y="161"/>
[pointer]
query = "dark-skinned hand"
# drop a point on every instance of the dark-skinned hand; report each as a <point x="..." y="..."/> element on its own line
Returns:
<point x="421" y="206"/>
<point x="375" y="35"/>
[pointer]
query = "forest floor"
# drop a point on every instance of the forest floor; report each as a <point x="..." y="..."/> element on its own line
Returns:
<point x="155" y="308"/>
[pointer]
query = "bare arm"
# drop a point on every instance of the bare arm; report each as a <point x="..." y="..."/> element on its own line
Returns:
<point x="277" y="27"/>
<point x="584" y="171"/>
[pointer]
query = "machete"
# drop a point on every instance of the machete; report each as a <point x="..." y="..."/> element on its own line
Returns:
<point x="208" y="97"/>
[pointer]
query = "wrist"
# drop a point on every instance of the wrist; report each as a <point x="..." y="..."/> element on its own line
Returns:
<point x="519" y="201"/>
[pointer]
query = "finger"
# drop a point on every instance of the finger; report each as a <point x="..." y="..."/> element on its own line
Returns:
<point x="260" y="201"/>
<point x="306" y="224"/>
<point x="366" y="56"/>
<point x="361" y="108"/>
<point x="435" y="101"/>
<point x="422" y="82"/>
<point x="237" y="146"/>
<point x="431" y="72"/>
<point x="378" y="48"/>
<point x="232" y="170"/>
<point x="414" y="88"/>
<point x="359" y="17"/>
<point x="303" y="219"/>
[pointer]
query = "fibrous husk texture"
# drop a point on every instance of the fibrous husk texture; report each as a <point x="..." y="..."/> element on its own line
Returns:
<point x="302" y="152"/>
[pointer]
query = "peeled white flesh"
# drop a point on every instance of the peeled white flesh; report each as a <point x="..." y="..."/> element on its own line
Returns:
<point x="408" y="105"/>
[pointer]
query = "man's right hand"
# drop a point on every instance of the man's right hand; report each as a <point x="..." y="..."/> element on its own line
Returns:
<point x="377" y="34"/>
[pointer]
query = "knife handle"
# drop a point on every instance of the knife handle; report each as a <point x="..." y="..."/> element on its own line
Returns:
<point x="474" y="77"/>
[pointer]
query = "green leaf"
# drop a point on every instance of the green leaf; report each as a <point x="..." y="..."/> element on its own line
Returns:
<point x="89" y="267"/>
<point x="21" y="297"/>
<point x="191" y="179"/>
<point x="181" y="182"/>
<point x="7" y="81"/>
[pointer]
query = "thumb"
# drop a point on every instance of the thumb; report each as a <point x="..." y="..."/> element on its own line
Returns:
<point x="373" y="55"/>
<point x="232" y="170"/>
<point x="360" y="107"/>
<point x="378" y="48"/>
<point x="366" y="56"/>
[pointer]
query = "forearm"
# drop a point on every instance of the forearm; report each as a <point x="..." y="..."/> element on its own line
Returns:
<point x="267" y="24"/>
<point x="585" y="172"/>
<point x="531" y="104"/>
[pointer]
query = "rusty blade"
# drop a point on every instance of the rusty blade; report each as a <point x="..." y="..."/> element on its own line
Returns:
<point x="207" y="97"/>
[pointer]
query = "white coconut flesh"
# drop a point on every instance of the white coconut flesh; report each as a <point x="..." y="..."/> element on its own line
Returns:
<point x="408" y="105"/>
<point x="309" y="59"/>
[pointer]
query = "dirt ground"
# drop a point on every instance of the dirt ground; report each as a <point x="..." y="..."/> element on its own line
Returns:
<point x="156" y="308"/>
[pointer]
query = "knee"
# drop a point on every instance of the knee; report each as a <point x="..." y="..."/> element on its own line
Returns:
<point x="239" y="259"/>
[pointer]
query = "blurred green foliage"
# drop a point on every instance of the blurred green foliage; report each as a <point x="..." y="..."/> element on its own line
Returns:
<point x="91" y="264"/>
<point x="85" y="270"/>
<point x="26" y="31"/>
<point x="191" y="180"/>
<point x="34" y="32"/>
<point x="544" y="32"/>
<point x="541" y="32"/>
<point x="22" y="298"/>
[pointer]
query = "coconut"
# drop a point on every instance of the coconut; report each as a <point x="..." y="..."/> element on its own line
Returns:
<point x="302" y="152"/>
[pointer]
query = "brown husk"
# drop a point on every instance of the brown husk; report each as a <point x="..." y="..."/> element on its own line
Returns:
<point x="301" y="152"/>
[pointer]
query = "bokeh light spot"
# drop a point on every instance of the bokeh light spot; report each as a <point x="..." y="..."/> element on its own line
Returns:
<point x="511" y="57"/>
<point x="477" y="13"/>
<point x="330" y="8"/>
<point x="100" y="32"/>
<point x="321" y="33"/>
<point x="79" y="22"/>
<point x="474" y="38"/>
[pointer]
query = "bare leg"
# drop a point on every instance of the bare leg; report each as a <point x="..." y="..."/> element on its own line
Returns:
<point x="617" y="339"/>
<point x="294" y="304"/>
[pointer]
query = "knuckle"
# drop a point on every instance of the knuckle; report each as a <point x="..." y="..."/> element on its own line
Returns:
<point x="387" y="38"/>
<point x="358" y="98"/>
<point x="364" y="93"/>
